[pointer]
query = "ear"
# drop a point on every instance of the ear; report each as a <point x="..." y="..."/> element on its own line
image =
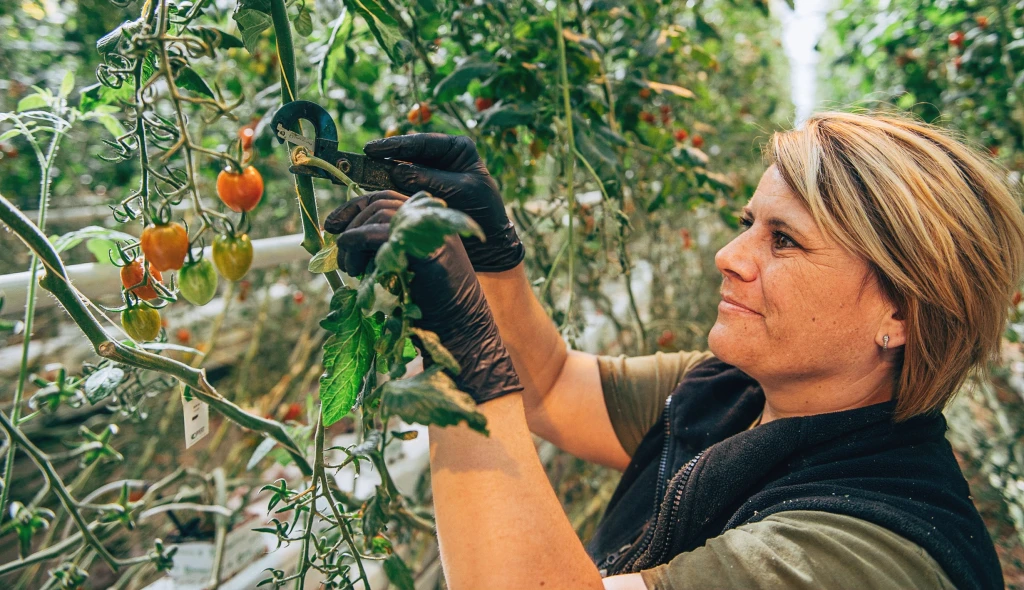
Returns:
<point x="892" y="325"/>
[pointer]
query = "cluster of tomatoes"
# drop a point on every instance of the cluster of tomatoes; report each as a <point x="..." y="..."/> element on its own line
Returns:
<point x="165" y="247"/>
<point x="419" y="114"/>
<point x="665" y="113"/>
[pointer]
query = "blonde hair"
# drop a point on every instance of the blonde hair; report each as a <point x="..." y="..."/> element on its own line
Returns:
<point x="937" y="223"/>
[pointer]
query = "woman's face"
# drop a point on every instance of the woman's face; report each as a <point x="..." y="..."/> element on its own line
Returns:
<point x="811" y="322"/>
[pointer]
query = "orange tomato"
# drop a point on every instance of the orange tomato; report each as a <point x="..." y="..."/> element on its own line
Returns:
<point x="420" y="114"/>
<point x="240" y="191"/>
<point x="132" y="274"/>
<point x="165" y="245"/>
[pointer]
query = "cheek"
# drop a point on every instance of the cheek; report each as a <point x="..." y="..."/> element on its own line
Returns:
<point x="808" y="302"/>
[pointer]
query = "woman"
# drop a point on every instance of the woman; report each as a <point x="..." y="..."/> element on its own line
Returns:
<point x="805" y="449"/>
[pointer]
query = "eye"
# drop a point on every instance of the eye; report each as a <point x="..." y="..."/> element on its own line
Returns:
<point x="746" y="222"/>
<point x="785" y="240"/>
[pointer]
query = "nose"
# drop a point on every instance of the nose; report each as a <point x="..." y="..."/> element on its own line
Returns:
<point x="736" y="260"/>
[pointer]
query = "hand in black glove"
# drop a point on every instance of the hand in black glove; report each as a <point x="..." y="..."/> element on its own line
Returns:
<point x="449" y="168"/>
<point x="446" y="290"/>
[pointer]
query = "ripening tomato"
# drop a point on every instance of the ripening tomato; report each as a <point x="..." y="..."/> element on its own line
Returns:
<point x="983" y="22"/>
<point x="956" y="38"/>
<point x="183" y="335"/>
<point x="483" y="103"/>
<point x="645" y="93"/>
<point x="197" y="282"/>
<point x="240" y="191"/>
<point x="142" y="323"/>
<point x="681" y="135"/>
<point x="246" y="135"/>
<point x="666" y="339"/>
<point x="133" y="274"/>
<point x="392" y="131"/>
<point x="420" y="114"/>
<point x="165" y="245"/>
<point x="698" y="141"/>
<point x="232" y="255"/>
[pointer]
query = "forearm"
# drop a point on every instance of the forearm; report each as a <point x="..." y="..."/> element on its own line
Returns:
<point x="537" y="349"/>
<point x="499" y="523"/>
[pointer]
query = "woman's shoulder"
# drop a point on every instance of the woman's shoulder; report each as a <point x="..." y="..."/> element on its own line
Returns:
<point x="803" y="549"/>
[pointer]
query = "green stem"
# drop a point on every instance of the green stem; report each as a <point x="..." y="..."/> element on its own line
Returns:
<point x="56" y="281"/>
<point x="305" y="159"/>
<point x="570" y="158"/>
<point x="221" y="499"/>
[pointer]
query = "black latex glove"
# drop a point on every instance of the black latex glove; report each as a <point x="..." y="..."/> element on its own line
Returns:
<point x="445" y="288"/>
<point x="449" y="168"/>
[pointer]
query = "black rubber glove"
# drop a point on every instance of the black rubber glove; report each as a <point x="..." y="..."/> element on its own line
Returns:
<point x="449" y="168"/>
<point x="445" y="288"/>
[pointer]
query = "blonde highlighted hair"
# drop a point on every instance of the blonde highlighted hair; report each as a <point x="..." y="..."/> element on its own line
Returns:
<point x="936" y="221"/>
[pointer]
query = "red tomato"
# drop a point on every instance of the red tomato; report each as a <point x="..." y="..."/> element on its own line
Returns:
<point x="183" y="335"/>
<point x="482" y="104"/>
<point x="294" y="412"/>
<point x="698" y="141"/>
<point x="240" y="191"/>
<point x="299" y="297"/>
<point x="1016" y="298"/>
<point x="647" y="117"/>
<point x="420" y="114"/>
<point x="645" y="93"/>
<point x="956" y="38"/>
<point x="165" y="246"/>
<point x="687" y="239"/>
<point x="681" y="135"/>
<point x="132" y="274"/>
<point x="666" y="339"/>
<point x="665" y="109"/>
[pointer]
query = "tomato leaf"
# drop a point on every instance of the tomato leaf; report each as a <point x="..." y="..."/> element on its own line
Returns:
<point x="188" y="79"/>
<point x="431" y="397"/>
<point x="376" y="513"/>
<point x="261" y="451"/>
<point x="436" y="350"/>
<point x="456" y="82"/>
<point x="398" y="573"/>
<point x="304" y="22"/>
<point x="216" y="38"/>
<point x="31" y="102"/>
<point x="326" y="260"/>
<point x="385" y="29"/>
<point x="252" y="18"/>
<point x="422" y="223"/>
<point x="347" y="355"/>
<point x="503" y="116"/>
<point x="101" y="383"/>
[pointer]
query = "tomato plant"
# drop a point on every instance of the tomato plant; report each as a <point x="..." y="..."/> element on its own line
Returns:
<point x="240" y="191"/>
<point x="133" y="275"/>
<point x="141" y="322"/>
<point x="197" y="282"/>
<point x="165" y="245"/>
<point x="232" y="254"/>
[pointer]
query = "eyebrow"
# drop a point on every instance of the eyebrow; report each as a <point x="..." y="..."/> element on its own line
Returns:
<point x="777" y="223"/>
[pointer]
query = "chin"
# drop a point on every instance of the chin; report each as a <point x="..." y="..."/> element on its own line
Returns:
<point x="725" y="346"/>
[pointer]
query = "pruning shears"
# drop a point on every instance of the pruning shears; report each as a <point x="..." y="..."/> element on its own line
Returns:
<point x="367" y="172"/>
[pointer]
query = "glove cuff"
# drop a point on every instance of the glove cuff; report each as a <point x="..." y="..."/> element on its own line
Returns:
<point x="502" y="251"/>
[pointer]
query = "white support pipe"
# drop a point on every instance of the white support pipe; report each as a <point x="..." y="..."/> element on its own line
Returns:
<point x="97" y="280"/>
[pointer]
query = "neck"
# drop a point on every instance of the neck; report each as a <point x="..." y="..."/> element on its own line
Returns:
<point x="820" y="398"/>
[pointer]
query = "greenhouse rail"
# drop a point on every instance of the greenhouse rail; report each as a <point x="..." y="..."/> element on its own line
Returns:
<point x="95" y="280"/>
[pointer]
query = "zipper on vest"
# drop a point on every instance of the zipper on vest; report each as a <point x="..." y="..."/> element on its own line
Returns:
<point x="641" y="543"/>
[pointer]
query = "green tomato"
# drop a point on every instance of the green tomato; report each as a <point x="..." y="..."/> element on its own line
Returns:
<point x="142" y="323"/>
<point x="197" y="282"/>
<point x="232" y="255"/>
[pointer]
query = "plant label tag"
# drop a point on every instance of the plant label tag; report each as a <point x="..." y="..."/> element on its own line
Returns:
<point x="197" y="419"/>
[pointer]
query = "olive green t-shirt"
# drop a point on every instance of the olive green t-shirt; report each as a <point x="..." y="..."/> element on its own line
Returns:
<point x="800" y="549"/>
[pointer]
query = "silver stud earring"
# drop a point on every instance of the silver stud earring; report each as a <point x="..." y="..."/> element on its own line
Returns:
<point x="885" y="342"/>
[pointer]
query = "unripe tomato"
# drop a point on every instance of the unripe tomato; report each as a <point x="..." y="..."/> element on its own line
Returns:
<point x="142" y="323"/>
<point x="482" y="103"/>
<point x="165" y="246"/>
<point x="232" y="255"/>
<point x="666" y="339"/>
<point x="132" y="274"/>
<point x="392" y="131"/>
<point x="956" y="38"/>
<point x="240" y="191"/>
<point x="197" y="282"/>
<point x="420" y="114"/>
<point x="645" y="93"/>
<point x="681" y="135"/>
<point x="647" y="117"/>
<point x="698" y="141"/>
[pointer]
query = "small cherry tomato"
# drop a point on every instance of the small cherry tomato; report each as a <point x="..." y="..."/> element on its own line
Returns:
<point x="142" y="323"/>
<point x="983" y="22"/>
<point x="197" y="282"/>
<point x="294" y="412"/>
<point x="392" y="131"/>
<point x="645" y="93"/>
<point x="232" y="255"/>
<point x="687" y="239"/>
<point x="1016" y="298"/>
<point x="299" y="297"/>
<point x="956" y="38"/>
<point x="133" y="274"/>
<point x="681" y="135"/>
<point x="482" y="103"/>
<point x="240" y="191"/>
<point x="165" y="246"/>
<point x="666" y="339"/>
<point x="420" y="114"/>
<point x="665" y="109"/>
<point x="647" y="117"/>
<point x="246" y="135"/>
<point x="183" y="335"/>
<point x="698" y="141"/>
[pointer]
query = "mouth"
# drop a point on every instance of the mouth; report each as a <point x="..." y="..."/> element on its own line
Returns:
<point x="729" y="304"/>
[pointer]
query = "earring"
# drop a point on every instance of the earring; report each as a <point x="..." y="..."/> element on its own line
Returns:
<point x="885" y="342"/>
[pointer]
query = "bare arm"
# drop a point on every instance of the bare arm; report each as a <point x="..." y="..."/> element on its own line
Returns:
<point x="563" y="399"/>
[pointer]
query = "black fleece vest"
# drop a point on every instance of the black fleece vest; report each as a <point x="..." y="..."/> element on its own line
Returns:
<point x="700" y="473"/>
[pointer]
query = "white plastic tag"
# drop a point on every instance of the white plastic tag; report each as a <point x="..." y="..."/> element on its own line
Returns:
<point x="197" y="419"/>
